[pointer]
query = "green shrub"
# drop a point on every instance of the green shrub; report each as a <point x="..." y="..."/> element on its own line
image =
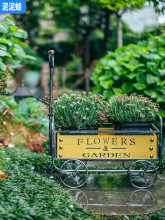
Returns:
<point x="135" y="68"/>
<point x="11" y="47"/>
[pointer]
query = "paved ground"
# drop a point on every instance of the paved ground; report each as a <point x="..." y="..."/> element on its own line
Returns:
<point x="112" y="194"/>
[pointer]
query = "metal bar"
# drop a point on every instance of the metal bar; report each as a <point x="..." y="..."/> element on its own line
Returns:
<point x="160" y="138"/>
<point x="106" y="131"/>
<point x="51" y="65"/>
<point x="83" y="159"/>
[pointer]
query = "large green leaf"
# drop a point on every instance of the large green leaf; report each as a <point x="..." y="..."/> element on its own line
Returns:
<point x="108" y="94"/>
<point x="151" y="79"/>
<point x="151" y="93"/>
<point x="162" y="72"/>
<point x="106" y="84"/>
<point x="140" y="78"/>
<point x="127" y="88"/>
<point x="139" y="86"/>
<point x="117" y="91"/>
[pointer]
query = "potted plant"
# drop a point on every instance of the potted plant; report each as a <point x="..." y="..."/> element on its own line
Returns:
<point x="133" y="112"/>
<point x="76" y="111"/>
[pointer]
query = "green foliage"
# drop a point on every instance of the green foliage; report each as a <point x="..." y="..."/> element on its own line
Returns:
<point x="132" y="108"/>
<point x="33" y="63"/>
<point x="11" y="46"/>
<point x="79" y="111"/>
<point x="28" y="195"/>
<point x="114" y="5"/>
<point x="135" y="68"/>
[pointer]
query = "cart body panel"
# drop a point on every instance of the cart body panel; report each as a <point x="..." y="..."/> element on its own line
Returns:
<point x="107" y="146"/>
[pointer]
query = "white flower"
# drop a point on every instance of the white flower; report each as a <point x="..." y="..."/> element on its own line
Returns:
<point x="4" y="122"/>
<point x="12" y="133"/>
<point x="51" y="177"/>
<point x="8" y="158"/>
<point x="10" y="145"/>
<point x="71" y="206"/>
<point x="87" y="109"/>
<point x="32" y="168"/>
<point x="84" y="117"/>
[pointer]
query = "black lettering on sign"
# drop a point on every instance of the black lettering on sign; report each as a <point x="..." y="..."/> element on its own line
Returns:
<point x="112" y="154"/>
<point x="94" y="155"/>
<point x="80" y="141"/>
<point x="97" y="140"/>
<point x="123" y="141"/>
<point x="132" y="141"/>
<point x="102" y="154"/>
<point x="126" y="155"/>
<point x="105" y="148"/>
<point x="88" y="142"/>
<point x="86" y="155"/>
<point x="114" y="141"/>
<point x="106" y="140"/>
<point x="118" y="155"/>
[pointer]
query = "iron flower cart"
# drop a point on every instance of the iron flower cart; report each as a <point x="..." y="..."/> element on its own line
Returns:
<point x="75" y="148"/>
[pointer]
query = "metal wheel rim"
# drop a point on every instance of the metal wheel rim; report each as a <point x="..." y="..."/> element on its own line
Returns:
<point x="77" y="186"/>
<point x="154" y="170"/>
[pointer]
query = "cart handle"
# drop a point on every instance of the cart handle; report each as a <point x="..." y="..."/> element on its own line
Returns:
<point x="51" y="65"/>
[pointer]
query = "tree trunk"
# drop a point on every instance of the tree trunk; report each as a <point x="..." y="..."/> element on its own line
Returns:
<point x="119" y="32"/>
<point x="106" y="32"/>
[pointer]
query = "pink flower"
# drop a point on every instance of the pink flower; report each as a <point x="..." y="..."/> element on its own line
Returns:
<point x="141" y="115"/>
<point x="102" y="115"/>
<point x="35" y="47"/>
<point x="107" y="115"/>
<point x="74" y="117"/>
<point x="84" y="99"/>
<point x="26" y="41"/>
<point x="97" y="98"/>
<point x="156" y="109"/>
<point x="6" y="141"/>
<point x="101" y="118"/>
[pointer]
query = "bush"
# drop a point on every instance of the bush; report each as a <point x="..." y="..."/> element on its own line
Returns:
<point x="135" y="68"/>
<point x="79" y="111"/>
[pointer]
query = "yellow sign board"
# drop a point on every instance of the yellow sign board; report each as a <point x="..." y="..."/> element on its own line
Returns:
<point x="107" y="146"/>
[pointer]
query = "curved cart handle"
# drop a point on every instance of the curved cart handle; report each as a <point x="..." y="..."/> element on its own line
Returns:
<point x="51" y="58"/>
<point x="51" y="64"/>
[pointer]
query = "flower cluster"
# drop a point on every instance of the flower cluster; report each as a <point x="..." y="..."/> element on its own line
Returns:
<point x="80" y="111"/>
<point x="133" y="108"/>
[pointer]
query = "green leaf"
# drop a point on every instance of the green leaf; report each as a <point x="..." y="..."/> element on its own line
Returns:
<point x="151" y="93"/>
<point x="3" y="28"/>
<point x="127" y="87"/>
<point x="107" y="94"/>
<point x="139" y="86"/>
<point x="10" y="101"/>
<point x="106" y="84"/>
<point x="131" y="75"/>
<point x="162" y="72"/>
<point x="105" y="77"/>
<point x="117" y="91"/>
<point x="151" y="79"/>
<point x="162" y="64"/>
<point x="140" y="78"/>
<point x="162" y="112"/>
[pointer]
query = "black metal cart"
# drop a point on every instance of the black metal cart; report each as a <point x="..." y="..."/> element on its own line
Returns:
<point x="73" y="149"/>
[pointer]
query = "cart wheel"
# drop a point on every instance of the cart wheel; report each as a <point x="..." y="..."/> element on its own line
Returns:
<point x="73" y="173"/>
<point x="142" y="174"/>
